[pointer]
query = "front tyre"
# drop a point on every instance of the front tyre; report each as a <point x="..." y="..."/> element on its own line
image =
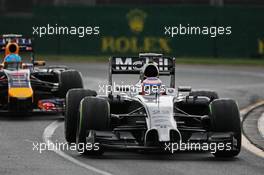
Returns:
<point x="73" y="98"/>
<point x="225" y="117"/>
<point x="94" y="115"/>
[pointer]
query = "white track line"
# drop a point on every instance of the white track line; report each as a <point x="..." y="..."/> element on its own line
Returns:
<point x="261" y="125"/>
<point x="245" y="142"/>
<point x="50" y="129"/>
<point x="47" y="134"/>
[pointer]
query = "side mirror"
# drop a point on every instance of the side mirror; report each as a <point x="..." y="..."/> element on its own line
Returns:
<point x="171" y="91"/>
<point x="39" y="63"/>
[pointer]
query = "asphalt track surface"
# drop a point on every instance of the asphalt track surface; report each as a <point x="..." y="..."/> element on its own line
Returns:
<point x="17" y="134"/>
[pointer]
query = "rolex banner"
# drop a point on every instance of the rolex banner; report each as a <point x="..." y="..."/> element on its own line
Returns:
<point x="129" y="30"/>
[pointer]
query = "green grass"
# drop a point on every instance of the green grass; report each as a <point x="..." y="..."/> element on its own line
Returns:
<point x="180" y="60"/>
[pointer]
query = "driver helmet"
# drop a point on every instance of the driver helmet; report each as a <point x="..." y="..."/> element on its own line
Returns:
<point x="12" y="61"/>
<point x="151" y="85"/>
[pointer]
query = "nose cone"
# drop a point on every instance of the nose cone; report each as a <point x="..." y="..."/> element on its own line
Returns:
<point x="20" y="93"/>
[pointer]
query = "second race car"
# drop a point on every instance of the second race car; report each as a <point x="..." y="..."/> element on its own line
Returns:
<point x="25" y="85"/>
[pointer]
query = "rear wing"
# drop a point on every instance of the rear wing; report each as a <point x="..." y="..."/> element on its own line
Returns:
<point x="25" y="43"/>
<point x="133" y="65"/>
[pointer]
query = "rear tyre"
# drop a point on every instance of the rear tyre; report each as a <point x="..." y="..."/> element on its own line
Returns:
<point x="225" y="117"/>
<point x="94" y="115"/>
<point x="73" y="98"/>
<point x="69" y="79"/>
<point x="212" y="95"/>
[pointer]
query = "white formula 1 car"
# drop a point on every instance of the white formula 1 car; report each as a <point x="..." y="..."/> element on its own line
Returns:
<point x="151" y="116"/>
